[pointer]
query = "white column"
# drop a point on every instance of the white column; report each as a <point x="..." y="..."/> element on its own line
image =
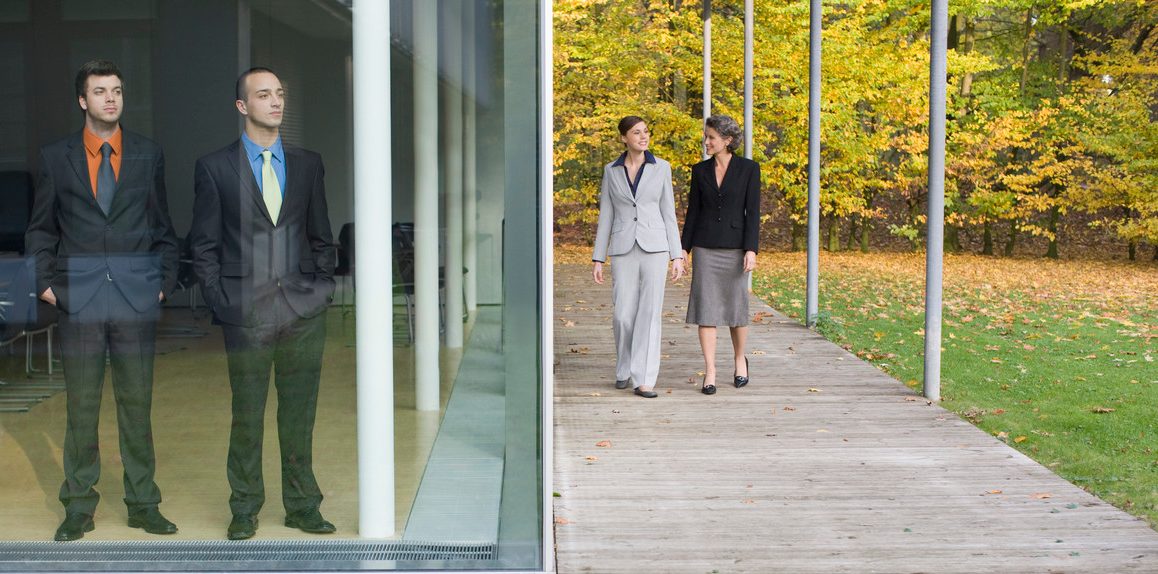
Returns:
<point x="813" y="272"/>
<point x="707" y="60"/>
<point x="452" y="155"/>
<point x="426" y="366"/>
<point x="375" y="329"/>
<point x="469" y="160"/>
<point x="934" y="251"/>
<point x="749" y="46"/>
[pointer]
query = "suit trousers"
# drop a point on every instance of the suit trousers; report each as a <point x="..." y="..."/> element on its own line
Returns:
<point x="637" y="284"/>
<point x="107" y="323"/>
<point x="292" y="346"/>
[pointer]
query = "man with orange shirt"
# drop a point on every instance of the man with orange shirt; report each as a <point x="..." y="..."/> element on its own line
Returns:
<point x="106" y="255"/>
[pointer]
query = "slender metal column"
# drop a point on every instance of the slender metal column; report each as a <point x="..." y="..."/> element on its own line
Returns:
<point x="934" y="250"/>
<point x="707" y="59"/>
<point x="813" y="288"/>
<point x="469" y="159"/>
<point x="426" y="292"/>
<point x="375" y="327"/>
<point x="452" y="155"/>
<point x="749" y="45"/>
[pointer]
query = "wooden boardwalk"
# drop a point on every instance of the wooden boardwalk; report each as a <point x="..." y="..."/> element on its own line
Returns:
<point x="822" y="464"/>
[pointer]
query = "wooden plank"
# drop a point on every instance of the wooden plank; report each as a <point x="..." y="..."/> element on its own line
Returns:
<point x="822" y="464"/>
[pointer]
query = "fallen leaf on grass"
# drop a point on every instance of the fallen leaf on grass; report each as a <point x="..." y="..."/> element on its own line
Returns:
<point x="603" y="443"/>
<point x="1101" y="410"/>
<point x="1020" y="439"/>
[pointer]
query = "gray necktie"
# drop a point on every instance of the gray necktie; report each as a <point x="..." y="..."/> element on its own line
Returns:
<point x="106" y="179"/>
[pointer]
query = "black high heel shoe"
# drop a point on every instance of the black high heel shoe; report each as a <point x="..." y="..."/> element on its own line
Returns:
<point x="741" y="381"/>
<point x="707" y="389"/>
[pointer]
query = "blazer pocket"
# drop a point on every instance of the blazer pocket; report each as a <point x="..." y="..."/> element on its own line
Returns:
<point x="236" y="269"/>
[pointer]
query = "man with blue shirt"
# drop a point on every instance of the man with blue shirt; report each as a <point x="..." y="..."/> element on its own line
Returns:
<point x="263" y="252"/>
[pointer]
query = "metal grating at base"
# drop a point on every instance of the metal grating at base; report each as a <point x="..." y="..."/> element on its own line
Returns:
<point x="22" y="555"/>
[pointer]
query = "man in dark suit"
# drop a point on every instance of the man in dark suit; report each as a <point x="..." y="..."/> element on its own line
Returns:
<point x="106" y="255"/>
<point x="263" y="250"/>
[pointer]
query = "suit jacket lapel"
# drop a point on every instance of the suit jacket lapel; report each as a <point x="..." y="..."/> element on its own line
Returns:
<point x="295" y="185"/>
<point x="132" y="168"/>
<point x="76" y="157"/>
<point x="247" y="181"/>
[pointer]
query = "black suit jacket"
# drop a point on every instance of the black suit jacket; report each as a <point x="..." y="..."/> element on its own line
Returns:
<point x="725" y="216"/>
<point x="78" y="248"/>
<point x="239" y="255"/>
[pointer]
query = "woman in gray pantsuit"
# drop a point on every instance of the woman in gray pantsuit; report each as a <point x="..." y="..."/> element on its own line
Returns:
<point x="637" y="226"/>
<point x="722" y="231"/>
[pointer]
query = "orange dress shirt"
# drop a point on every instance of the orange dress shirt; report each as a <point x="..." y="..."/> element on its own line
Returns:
<point x="92" y="145"/>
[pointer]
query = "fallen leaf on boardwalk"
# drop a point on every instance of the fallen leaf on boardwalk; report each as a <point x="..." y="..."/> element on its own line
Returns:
<point x="614" y="411"/>
<point x="759" y="353"/>
<point x="749" y="501"/>
<point x="580" y="301"/>
<point x="993" y="492"/>
<point x="1020" y="439"/>
<point x="603" y="443"/>
<point x="821" y="430"/>
<point x="791" y="349"/>
<point x="664" y="356"/>
<point x="1041" y="495"/>
<point x="911" y="399"/>
<point x="669" y="391"/>
<point x="814" y="390"/>
<point x="592" y="458"/>
<point x="671" y="342"/>
<point x="1003" y="436"/>
<point x="1101" y="410"/>
<point x="789" y="408"/>
<point x="567" y="323"/>
<point x="594" y="395"/>
<point x="561" y="521"/>
<point x="580" y="350"/>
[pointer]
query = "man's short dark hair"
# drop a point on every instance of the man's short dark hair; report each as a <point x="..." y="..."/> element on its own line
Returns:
<point x="95" y="68"/>
<point x="240" y="88"/>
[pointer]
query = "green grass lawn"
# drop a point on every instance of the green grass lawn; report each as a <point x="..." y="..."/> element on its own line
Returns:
<point x="1056" y="358"/>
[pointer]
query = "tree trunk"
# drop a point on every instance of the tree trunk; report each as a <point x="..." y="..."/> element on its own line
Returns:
<point x="1132" y="250"/>
<point x="799" y="237"/>
<point x="1011" y="243"/>
<point x="1054" y="215"/>
<point x="967" y="79"/>
<point x="853" y="225"/>
<point x="952" y="238"/>
<point x="864" y="237"/>
<point x="1025" y="51"/>
<point x="987" y="239"/>
<point x="834" y="234"/>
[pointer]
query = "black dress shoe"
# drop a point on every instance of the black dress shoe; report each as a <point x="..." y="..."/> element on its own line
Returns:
<point x="645" y="394"/>
<point x="622" y="384"/>
<point x="242" y="526"/>
<point x="74" y="527"/>
<point x="741" y="381"/>
<point x="151" y="520"/>
<point x="309" y="521"/>
<point x="708" y="390"/>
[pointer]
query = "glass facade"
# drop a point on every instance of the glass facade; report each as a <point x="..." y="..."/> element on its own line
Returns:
<point x="428" y="440"/>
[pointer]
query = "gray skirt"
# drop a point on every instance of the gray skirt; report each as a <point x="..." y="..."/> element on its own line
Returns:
<point x="719" y="288"/>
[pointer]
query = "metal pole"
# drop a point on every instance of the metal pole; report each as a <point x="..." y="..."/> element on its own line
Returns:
<point x="749" y="44"/>
<point x="426" y="345"/>
<point x="934" y="250"/>
<point x="707" y="59"/>
<point x="453" y="151"/>
<point x="375" y="326"/>
<point x="814" y="39"/>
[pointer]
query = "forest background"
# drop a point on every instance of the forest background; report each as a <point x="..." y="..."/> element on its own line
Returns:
<point x="1052" y="142"/>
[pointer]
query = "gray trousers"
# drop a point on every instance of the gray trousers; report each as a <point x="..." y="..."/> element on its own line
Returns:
<point x="637" y="283"/>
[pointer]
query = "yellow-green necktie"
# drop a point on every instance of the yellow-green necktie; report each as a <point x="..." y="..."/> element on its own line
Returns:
<point x="270" y="188"/>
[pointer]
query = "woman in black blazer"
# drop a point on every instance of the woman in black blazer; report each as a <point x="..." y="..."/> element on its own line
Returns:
<point x="722" y="231"/>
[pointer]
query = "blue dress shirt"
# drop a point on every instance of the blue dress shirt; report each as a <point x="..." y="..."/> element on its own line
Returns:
<point x="253" y="152"/>
<point x="647" y="158"/>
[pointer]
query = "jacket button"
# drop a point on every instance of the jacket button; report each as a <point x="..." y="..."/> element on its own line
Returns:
<point x="635" y="219"/>
<point x="719" y="219"/>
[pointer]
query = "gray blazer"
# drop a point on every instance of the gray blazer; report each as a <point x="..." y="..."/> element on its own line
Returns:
<point x="648" y="218"/>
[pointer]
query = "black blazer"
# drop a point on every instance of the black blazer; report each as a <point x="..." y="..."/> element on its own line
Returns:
<point x="725" y="216"/>
<point x="239" y="254"/>
<point x="78" y="248"/>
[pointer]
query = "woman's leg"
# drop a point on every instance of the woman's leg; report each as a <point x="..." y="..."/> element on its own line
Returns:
<point x="739" y="340"/>
<point x="708" y="345"/>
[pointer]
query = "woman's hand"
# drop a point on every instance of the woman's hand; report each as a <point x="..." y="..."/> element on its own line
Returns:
<point x="597" y="273"/>
<point x="677" y="269"/>
<point x="749" y="260"/>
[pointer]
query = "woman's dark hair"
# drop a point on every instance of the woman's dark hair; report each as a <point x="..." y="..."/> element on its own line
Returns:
<point x="95" y="68"/>
<point x="627" y="123"/>
<point x="728" y="128"/>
